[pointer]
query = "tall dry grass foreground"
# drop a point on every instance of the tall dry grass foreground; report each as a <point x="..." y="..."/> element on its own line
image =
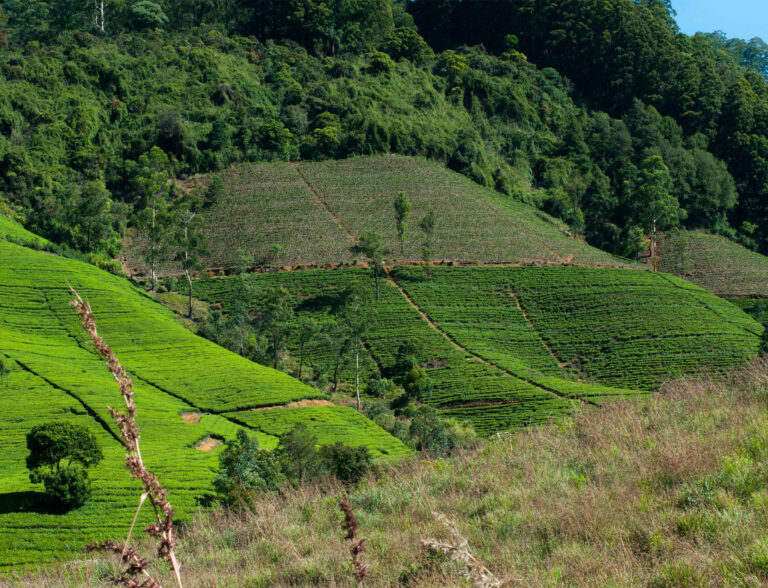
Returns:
<point x="135" y="574"/>
<point x="666" y="491"/>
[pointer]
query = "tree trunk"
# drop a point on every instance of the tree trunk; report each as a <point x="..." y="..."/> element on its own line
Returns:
<point x="357" y="374"/>
<point x="189" y="282"/>
<point x="301" y="358"/>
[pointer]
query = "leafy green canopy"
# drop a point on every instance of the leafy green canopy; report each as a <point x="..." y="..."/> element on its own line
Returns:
<point x="82" y="98"/>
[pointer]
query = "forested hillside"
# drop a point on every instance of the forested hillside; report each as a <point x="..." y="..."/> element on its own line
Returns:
<point x="101" y="103"/>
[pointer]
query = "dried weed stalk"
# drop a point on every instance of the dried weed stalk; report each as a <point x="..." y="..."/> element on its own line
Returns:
<point x="473" y="570"/>
<point x="357" y="547"/>
<point x="153" y="490"/>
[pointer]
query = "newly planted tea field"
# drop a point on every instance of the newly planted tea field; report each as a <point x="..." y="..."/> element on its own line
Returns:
<point x="505" y="347"/>
<point x="283" y="214"/>
<point x="715" y="263"/>
<point x="183" y="384"/>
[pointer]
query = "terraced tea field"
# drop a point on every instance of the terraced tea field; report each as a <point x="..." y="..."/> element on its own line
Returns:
<point x="507" y="346"/>
<point x="715" y="263"/>
<point x="620" y="328"/>
<point x="55" y="374"/>
<point x="316" y="211"/>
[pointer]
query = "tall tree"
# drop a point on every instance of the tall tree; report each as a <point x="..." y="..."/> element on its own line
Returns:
<point x="402" y="208"/>
<point x="357" y="319"/>
<point x="190" y="245"/>
<point x="152" y="221"/>
<point x="372" y="246"/>
<point x="655" y="206"/>
<point x="276" y="320"/>
<point x="306" y="331"/>
<point x="428" y="225"/>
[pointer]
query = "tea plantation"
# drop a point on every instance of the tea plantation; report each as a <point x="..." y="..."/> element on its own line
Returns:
<point x="315" y="211"/>
<point x="715" y="263"/>
<point x="53" y="373"/>
<point x="508" y="346"/>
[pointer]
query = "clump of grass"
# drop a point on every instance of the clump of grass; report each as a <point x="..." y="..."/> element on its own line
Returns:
<point x="667" y="490"/>
<point x="163" y="528"/>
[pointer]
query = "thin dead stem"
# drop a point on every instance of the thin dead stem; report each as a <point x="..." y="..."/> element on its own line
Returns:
<point x="357" y="546"/>
<point x="163" y="527"/>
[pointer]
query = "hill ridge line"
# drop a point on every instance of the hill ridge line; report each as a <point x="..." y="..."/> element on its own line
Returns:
<point x="475" y="356"/>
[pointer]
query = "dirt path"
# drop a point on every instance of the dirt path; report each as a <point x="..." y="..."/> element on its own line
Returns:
<point x="472" y="355"/>
<point x="298" y="404"/>
<point x="326" y="205"/>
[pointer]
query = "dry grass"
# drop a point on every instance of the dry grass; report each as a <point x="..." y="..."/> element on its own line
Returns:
<point x="668" y="491"/>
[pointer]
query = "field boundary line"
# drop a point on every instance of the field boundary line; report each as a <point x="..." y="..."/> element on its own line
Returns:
<point x="528" y="320"/>
<point x="91" y="412"/>
<point x="711" y="309"/>
<point x="475" y="356"/>
<point x="316" y="193"/>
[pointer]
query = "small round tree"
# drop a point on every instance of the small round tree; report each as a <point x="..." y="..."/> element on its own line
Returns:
<point x="59" y="455"/>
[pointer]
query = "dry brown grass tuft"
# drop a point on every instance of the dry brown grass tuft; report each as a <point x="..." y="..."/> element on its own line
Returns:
<point x="667" y="491"/>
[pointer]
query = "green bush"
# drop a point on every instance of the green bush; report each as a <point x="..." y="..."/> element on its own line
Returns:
<point x="69" y="487"/>
<point x="348" y="464"/>
<point x="244" y="469"/>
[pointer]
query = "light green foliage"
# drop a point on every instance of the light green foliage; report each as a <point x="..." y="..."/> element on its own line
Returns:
<point x="54" y="374"/>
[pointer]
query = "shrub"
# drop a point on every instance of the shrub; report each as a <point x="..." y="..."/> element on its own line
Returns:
<point x="348" y="464"/>
<point x="417" y="384"/>
<point x="68" y="487"/>
<point x="59" y="453"/>
<point x="298" y="454"/>
<point x="244" y="469"/>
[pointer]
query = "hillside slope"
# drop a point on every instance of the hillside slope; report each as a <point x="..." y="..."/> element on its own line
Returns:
<point x="183" y="383"/>
<point x="508" y="346"/>
<point x="715" y="263"/>
<point x="315" y="213"/>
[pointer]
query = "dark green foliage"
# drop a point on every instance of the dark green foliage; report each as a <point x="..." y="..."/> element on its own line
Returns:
<point x="402" y="208"/>
<point x="244" y="469"/>
<point x="59" y="454"/>
<point x="53" y="443"/>
<point x="68" y="488"/>
<point x="348" y="464"/>
<point x="429" y="433"/>
<point x="372" y="247"/>
<point x="417" y="384"/>
<point x="299" y="456"/>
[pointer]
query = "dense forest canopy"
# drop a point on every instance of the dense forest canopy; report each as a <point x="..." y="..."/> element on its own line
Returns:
<point x="600" y="112"/>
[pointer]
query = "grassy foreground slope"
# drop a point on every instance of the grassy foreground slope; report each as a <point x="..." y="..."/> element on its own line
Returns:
<point x="54" y="373"/>
<point x="316" y="212"/>
<point x="715" y="263"/>
<point x="508" y="346"/>
<point x="667" y="491"/>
